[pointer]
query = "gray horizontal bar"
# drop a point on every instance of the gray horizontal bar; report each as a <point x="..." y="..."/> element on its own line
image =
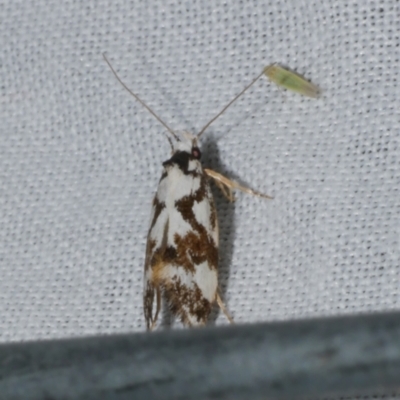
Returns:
<point x="288" y="360"/>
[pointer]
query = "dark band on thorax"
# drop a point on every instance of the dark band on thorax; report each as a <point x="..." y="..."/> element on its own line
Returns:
<point x="181" y="159"/>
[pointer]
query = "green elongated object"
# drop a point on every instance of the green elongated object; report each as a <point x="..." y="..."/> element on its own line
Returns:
<point x="291" y="81"/>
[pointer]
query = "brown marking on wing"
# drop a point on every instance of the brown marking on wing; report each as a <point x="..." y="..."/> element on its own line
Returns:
<point x="196" y="246"/>
<point x="197" y="249"/>
<point x="190" y="250"/>
<point x="185" y="204"/>
<point x="184" y="301"/>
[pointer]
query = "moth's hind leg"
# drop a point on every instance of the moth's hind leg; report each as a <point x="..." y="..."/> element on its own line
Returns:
<point x="228" y="184"/>
<point x="148" y="301"/>
<point x="226" y="191"/>
<point x="223" y="309"/>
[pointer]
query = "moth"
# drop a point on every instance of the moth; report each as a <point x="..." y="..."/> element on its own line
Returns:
<point x="181" y="262"/>
<point x="291" y="81"/>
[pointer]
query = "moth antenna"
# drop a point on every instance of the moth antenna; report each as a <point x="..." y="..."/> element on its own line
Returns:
<point x="170" y="142"/>
<point x="230" y="103"/>
<point x="140" y="100"/>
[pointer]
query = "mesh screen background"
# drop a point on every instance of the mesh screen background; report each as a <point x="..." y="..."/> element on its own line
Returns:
<point x="80" y="159"/>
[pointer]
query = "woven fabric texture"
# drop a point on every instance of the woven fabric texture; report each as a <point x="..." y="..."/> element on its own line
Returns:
<point x="80" y="158"/>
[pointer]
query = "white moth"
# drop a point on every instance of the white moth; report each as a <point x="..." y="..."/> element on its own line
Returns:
<point x="182" y="243"/>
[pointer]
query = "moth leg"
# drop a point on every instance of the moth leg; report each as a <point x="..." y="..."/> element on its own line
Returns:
<point x="223" y="309"/>
<point x="226" y="191"/>
<point x="224" y="181"/>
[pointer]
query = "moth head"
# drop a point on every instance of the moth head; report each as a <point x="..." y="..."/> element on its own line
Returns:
<point x="187" y="143"/>
<point x="185" y="153"/>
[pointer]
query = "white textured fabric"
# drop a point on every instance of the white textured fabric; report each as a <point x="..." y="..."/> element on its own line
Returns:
<point x="80" y="159"/>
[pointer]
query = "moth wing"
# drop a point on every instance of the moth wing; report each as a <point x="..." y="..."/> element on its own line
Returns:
<point x="182" y="250"/>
